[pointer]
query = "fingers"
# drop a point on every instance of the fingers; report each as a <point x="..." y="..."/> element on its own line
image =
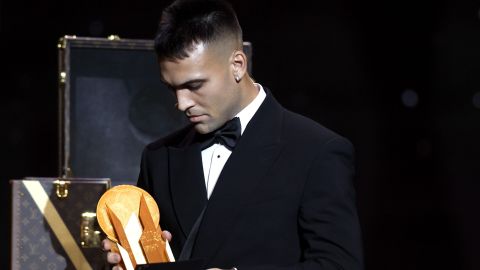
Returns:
<point x="106" y="244"/>
<point x="117" y="267"/>
<point x="166" y="235"/>
<point x="113" y="258"/>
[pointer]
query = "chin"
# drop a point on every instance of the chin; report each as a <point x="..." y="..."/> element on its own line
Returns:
<point x="202" y="128"/>
<point x="207" y="127"/>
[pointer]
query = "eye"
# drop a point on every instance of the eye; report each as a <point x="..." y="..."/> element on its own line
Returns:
<point x="195" y="86"/>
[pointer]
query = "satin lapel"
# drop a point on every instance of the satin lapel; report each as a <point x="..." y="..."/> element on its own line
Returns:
<point x="187" y="184"/>
<point x="246" y="168"/>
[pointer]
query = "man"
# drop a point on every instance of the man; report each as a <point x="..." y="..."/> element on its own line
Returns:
<point x="278" y="197"/>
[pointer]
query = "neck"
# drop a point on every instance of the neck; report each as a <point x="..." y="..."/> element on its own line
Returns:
<point x="249" y="90"/>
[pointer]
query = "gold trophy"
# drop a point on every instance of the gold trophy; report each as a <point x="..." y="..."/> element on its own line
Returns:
<point x="129" y="216"/>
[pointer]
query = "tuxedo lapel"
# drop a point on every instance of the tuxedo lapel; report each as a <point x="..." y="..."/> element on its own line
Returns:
<point x="253" y="156"/>
<point x="187" y="183"/>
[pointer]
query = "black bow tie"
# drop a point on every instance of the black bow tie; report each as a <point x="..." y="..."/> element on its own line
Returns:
<point x="227" y="135"/>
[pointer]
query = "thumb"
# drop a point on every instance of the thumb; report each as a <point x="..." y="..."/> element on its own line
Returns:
<point x="167" y="236"/>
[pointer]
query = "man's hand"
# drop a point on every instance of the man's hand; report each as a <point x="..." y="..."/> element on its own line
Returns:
<point x="115" y="258"/>
<point x="112" y="258"/>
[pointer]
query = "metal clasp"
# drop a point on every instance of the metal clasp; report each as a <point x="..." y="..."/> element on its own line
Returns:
<point x="61" y="188"/>
<point x="89" y="235"/>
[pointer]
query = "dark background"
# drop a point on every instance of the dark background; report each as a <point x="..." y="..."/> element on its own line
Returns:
<point x="400" y="79"/>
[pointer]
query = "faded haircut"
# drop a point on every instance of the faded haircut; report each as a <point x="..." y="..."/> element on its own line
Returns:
<point x="188" y="22"/>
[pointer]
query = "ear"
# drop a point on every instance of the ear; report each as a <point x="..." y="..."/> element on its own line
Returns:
<point x="239" y="65"/>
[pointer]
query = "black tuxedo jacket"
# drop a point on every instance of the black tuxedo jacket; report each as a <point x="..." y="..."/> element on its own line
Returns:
<point x="284" y="199"/>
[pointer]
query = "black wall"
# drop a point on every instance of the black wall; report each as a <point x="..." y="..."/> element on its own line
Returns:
<point x="400" y="79"/>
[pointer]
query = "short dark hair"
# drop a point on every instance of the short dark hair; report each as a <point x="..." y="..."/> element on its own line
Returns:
<point x="187" y="22"/>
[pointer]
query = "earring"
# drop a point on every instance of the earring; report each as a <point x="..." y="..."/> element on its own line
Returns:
<point x="237" y="78"/>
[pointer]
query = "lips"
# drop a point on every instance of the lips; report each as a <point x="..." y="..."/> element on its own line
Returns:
<point x="195" y="118"/>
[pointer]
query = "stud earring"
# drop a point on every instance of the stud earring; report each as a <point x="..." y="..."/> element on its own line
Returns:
<point x="237" y="78"/>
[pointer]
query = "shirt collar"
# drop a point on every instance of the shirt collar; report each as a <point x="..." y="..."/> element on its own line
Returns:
<point x="247" y="113"/>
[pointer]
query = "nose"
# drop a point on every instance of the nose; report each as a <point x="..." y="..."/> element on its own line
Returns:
<point x="184" y="101"/>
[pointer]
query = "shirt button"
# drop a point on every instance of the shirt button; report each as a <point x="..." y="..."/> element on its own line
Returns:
<point x="218" y="156"/>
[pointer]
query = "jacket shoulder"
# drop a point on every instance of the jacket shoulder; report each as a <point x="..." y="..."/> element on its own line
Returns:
<point x="303" y="129"/>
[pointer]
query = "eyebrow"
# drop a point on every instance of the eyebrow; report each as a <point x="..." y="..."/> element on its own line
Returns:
<point x="185" y="84"/>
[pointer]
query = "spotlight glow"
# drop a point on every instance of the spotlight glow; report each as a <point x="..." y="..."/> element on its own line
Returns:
<point x="409" y="98"/>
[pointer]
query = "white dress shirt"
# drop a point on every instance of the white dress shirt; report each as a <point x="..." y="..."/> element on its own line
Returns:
<point x="215" y="156"/>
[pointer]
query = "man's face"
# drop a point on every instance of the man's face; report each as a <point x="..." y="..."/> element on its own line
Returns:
<point x="204" y="85"/>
